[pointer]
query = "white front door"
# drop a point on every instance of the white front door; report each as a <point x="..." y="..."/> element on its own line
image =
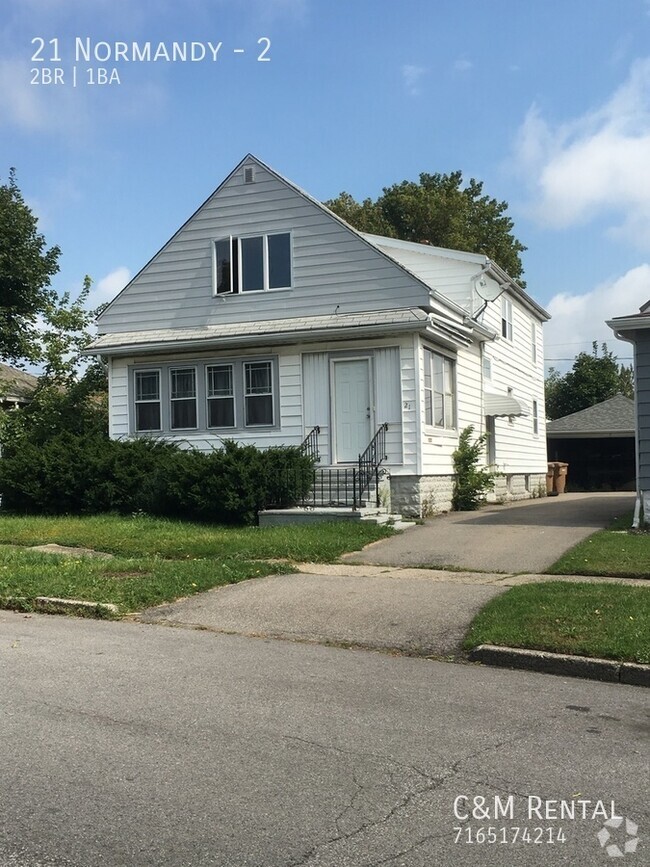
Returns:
<point x="352" y="409"/>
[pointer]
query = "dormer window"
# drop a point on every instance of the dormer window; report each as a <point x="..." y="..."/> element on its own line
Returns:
<point x="252" y="264"/>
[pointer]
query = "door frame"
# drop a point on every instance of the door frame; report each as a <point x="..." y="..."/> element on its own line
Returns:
<point x="371" y="401"/>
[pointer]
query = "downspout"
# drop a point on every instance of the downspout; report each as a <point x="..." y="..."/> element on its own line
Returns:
<point x="639" y="519"/>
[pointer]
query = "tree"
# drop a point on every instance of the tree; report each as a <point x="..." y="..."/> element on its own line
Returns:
<point x="440" y="211"/>
<point x="592" y="379"/>
<point x="36" y="324"/>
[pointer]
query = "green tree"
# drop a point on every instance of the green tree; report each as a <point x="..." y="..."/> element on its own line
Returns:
<point x="593" y="378"/>
<point x="441" y="211"/>
<point x="36" y="324"/>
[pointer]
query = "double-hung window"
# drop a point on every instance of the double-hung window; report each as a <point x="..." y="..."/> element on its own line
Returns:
<point x="535" y="418"/>
<point x="183" y="398"/>
<point x="258" y="393"/>
<point x="439" y="390"/>
<point x="147" y="400"/>
<point x="220" y="395"/>
<point x="252" y="264"/>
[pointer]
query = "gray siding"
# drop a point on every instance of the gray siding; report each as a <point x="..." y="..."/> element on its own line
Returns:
<point x="642" y="373"/>
<point x="332" y="266"/>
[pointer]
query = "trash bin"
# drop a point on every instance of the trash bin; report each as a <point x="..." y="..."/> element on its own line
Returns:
<point x="550" y="475"/>
<point x="560" y="475"/>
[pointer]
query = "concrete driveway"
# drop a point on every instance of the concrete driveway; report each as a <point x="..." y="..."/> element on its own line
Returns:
<point x="390" y="607"/>
<point x="528" y="536"/>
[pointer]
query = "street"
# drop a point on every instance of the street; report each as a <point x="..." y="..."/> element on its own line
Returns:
<point x="132" y="744"/>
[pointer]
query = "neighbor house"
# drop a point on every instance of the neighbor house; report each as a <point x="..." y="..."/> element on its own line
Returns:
<point x="16" y="387"/>
<point x="636" y="329"/>
<point x="267" y="317"/>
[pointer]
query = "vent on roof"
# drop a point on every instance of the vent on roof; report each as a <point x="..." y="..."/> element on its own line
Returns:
<point x="249" y="176"/>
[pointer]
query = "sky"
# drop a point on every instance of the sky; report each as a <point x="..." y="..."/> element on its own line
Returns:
<point x="545" y="101"/>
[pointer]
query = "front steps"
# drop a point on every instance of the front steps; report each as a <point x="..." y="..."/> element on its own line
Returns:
<point x="318" y="514"/>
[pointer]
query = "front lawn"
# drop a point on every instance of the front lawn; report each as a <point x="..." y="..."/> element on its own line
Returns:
<point x="616" y="551"/>
<point x="143" y="536"/>
<point x="157" y="560"/>
<point x="610" y="621"/>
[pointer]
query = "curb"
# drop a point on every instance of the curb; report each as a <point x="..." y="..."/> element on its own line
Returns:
<point x="54" y="605"/>
<point x="559" y="663"/>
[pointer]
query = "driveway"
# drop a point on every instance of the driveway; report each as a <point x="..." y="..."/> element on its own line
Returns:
<point x="390" y="607"/>
<point x="528" y="536"/>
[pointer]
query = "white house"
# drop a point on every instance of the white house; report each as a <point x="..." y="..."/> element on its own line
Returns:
<point x="266" y="316"/>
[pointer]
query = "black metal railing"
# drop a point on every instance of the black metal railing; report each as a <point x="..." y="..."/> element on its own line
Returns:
<point x="370" y="460"/>
<point x="330" y="487"/>
<point x="309" y="445"/>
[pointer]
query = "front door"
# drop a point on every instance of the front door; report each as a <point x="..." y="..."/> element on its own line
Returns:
<point x="352" y="409"/>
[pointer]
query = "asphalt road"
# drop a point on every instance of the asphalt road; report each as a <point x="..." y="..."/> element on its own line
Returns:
<point x="527" y="536"/>
<point x="132" y="744"/>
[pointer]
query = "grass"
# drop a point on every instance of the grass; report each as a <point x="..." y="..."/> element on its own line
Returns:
<point x="612" y="552"/>
<point x="144" y="536"/>
<point x="155" y="560"/>
<point x="610" y="621"/>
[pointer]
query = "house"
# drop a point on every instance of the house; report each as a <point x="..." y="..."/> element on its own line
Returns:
<point x="16" y="387"/>
<point x="598" y="444"/>
<point x="267" y="317"/>
<point x="636" y="330"/>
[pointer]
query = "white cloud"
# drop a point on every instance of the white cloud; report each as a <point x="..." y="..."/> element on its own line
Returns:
<point x="578" y="320"/>
<point x="595" y="165"/>
<point x="411" y="76"/>
<point x="463" y="65"/>
<point x="108" y="287"/>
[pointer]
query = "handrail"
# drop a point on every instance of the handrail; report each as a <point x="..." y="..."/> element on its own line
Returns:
<point x="370" y="460"/>
<point x="309" y="445"/>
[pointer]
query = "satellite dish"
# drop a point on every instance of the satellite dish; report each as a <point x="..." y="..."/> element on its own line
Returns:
<point x="487" y="290"/>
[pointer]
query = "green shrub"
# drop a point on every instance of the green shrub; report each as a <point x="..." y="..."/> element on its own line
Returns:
<point x="471" y="482"/>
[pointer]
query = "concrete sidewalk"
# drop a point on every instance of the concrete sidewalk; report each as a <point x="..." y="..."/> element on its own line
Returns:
<point x="419" y="611"/>
<point x="528" y="536"/>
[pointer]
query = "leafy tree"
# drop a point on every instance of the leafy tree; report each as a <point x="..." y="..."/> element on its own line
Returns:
<point x="440" y="211"/>
<point x="593" y="378"/>
<point x="36" y="324"/>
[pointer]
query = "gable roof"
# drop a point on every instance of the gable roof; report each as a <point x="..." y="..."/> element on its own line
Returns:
<point x="612" y="417"/>
<point x="387" y="249"/>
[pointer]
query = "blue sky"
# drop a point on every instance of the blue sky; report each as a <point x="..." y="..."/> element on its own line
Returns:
<point x="546" y="101"/>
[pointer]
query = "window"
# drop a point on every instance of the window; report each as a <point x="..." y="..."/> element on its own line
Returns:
<point x="506" y="318"/>
<point x="252" y="264"/>
<point x="183" y="398"/>
<point x="220" y="395"/>
<point x="487" y="367"/>
<point x="258" y="393"/>
<point x="147" y="400"/>
<point x="535" y="418"/>
<point x="439" y="390"/>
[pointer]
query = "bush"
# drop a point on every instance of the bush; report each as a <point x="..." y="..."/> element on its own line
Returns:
<point x="78" y="475"/>
<point x="472" y="482"/>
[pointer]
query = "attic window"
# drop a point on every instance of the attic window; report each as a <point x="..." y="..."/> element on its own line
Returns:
<point x="254" y="264"/>
<point x="249" y="175"/>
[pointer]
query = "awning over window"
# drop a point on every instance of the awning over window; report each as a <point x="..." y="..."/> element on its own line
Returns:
<point x="504" y="404"/>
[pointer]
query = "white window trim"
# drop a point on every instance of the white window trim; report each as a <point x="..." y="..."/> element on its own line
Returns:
<point x="136" y="402"/>
<point x="172" y="400"/>
<point x="506" y="317"/>
<point x="265" y="394"/>
<point x="454" y="393"/>
<point x="535" y="418"/>
<point x="232" y="397"/>
<point x="239" y="291"/>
